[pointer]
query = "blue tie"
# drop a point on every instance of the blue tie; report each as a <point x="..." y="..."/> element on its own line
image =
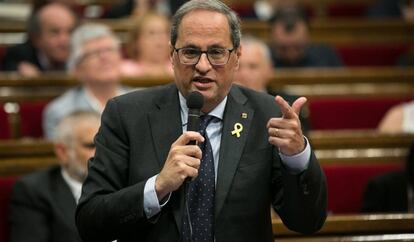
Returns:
<point x="200" y="195"/>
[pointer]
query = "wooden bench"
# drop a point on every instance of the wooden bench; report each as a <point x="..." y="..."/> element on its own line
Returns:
<point x="333" y="31"/>
<point x="354" y="227"/>
<point x="368" y="92"/>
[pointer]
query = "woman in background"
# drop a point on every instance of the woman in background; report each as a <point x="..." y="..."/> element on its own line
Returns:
<point x="148" y="47"/>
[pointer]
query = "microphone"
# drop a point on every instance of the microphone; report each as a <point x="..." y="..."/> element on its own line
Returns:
<point x="195" y="101"/>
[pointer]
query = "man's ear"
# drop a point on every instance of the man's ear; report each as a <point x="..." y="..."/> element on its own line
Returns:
<point x="62" y="153"/>
<point x="171" y="53"/>
<point x="238" y="55"/>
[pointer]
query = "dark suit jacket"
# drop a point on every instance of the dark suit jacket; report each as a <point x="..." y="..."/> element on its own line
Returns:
<point x="132" y="144"/>
<point x="387" y="193"/>
<point x="19" y="53"/>
<point x="43" y="209"/>
<point x="316" y="55"/>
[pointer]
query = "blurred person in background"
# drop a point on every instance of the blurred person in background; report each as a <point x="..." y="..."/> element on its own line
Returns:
<point x="399" y="119"/>
<point x="43" y="203"/>
<point x="393" y="191"/>
<point x="138" y="8"/>
<point x="95" y="61"/>
<point x="256" y="70"/>
<point x="149" y="48"/>
<point x="403" y="9"/>
<point x="47" y="47"/>
<point x="291" y="45"/>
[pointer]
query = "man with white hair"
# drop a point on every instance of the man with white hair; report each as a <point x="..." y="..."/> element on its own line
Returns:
<point x="43" y="203"/>
<point x="94" y="60"/>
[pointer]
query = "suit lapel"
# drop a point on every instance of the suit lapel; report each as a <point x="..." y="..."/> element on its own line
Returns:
<point x="168" y="111"/>
<point x="231" y="146"/>
<point x="64" y="200"/>
<point x="165" y="123"/>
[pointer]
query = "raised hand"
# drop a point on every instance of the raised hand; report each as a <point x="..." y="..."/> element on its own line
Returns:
<point x="286" y="132"/>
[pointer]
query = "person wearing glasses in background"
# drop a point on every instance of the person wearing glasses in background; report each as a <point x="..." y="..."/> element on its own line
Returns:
<point x="252" y="152"/>
<point x="95" y="62"/>
<point x="43" y="203"/>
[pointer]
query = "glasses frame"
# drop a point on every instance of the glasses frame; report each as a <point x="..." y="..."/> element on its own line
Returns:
<point x="201" y="53"/>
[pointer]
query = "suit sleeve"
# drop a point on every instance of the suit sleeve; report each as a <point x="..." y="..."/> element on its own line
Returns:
<point x="28" y="218"/>
<point x="301" y="200"/>
<point x="108" y="206"/>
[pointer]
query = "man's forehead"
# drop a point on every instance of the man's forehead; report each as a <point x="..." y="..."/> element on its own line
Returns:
<point x="205" y="26"/>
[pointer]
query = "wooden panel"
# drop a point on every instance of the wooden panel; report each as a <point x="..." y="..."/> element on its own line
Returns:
<point x="333" y="147"/>
<point x="308" y="82"/>
<point x="356" y="224"/>
<point x="332" y="31"/>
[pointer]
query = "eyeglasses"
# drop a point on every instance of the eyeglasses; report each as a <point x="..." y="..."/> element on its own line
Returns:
<point x="191" y="56"/>
<point x="98" y="52"/>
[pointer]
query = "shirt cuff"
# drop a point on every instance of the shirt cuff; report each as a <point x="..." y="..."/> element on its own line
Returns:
<point x="151" y="204"/>
<point x="299" y="162"/>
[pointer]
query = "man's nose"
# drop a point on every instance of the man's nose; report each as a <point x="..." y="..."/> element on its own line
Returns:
<point x="203" y="64"/>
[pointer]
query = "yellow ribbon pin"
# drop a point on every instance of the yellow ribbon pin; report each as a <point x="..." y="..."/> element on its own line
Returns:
<point x="238" y="128"/>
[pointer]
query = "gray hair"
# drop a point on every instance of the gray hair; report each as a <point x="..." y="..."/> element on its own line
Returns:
<point x="83" y="34"/>
<point x="211" y="5"/>
<point x="251" y="40"/>
<point x="64" y="129"/>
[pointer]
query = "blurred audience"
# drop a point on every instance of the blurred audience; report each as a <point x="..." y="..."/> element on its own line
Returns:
<point x="43" y="203"/>
<point x="95" y="61"/>
<point x="256" y="70"/>
<point x="140" y="7"/>
<point x="149" y="48"/>
<point x="399" y="119"/>
<point x="393" y="9"/>
<point x="38" y="4"/>
<point x="393" y="191"/>
<point x="291" y="46"/>
<point x="47" y="47"/>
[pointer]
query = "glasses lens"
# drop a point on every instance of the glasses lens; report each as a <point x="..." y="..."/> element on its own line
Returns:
<point x="189" y="55"/>
<point x="216" y="56"/>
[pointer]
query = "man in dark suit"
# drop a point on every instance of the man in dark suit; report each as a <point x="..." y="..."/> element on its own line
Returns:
<point x="291" y="45"/>
<point x="43" y="203"/>
<point x="47" y="47"/>
<point x="134" y="190"/>
<point x="391" y="192"/>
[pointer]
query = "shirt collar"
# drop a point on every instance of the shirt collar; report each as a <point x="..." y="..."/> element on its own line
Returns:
<point x="74" y="185"/>
<point x="217" y="112"/>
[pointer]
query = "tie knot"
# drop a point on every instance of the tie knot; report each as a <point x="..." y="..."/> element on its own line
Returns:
<point x="205" y="120"/>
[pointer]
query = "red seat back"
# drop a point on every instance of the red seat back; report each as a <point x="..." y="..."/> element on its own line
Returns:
<point x="349" y="112"/>
<point x="31" y="118"/>
<point x="346" y="184"/>
<point x="344" y="9"/>
<point x="371" y="54"/>
<point x="6" y="185"/>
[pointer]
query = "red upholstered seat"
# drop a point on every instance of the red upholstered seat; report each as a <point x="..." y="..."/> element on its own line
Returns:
<point x="385" y="54"/>
<point x="349" y="112"/>
<point x="6" y="185"/>
<point x="31" y="118"/>
<point x="346" y="184"/>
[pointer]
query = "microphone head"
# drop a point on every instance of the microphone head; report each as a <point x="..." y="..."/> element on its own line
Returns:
<point x="195" y="100"/>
